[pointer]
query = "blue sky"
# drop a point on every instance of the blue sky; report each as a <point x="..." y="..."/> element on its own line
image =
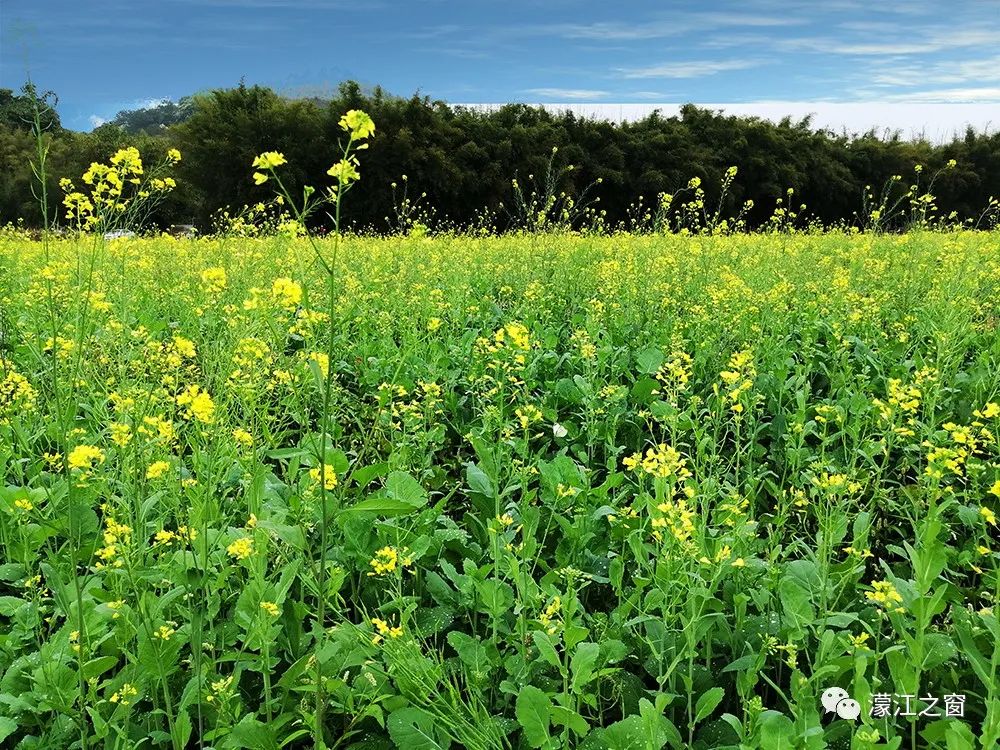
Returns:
<point x="104" y="55"/>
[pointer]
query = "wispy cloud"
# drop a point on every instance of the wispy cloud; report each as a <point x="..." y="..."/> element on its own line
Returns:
<point x="676" y="25"/>
<point x="647" y="95"/>
<point x="986" y="70"/>
<point x="920" y="40"/>
<point x="690" y="69"/>
<point x="572" y="94"/>
<point x="983" y="94"/>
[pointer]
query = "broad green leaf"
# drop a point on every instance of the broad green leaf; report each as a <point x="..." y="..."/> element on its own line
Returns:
<point x="413" y="729"/>
<point x="7" y="727"/>
<point x="776" y="731"/>
<point x="581" y="666"/>
<point x="707" y="703"/>
<point x="403" y="488"/>
<point x="648" y="361"/>
<point x="564" y="717"/>
<point x="381" y="506"/>
<point x="532" y="709"/>
<point x="546" y="650"/>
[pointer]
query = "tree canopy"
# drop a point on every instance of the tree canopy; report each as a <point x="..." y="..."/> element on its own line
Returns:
<point x="464" y="160"/>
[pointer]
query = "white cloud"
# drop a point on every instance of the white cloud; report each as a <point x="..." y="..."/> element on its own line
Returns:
<point x="646" y="95"/>
<point x="986" y="70"/>
<point x="96" y="122"/>
<point x="973" y="95"/>
<point x="689" y="69"/>
<point x="677" y="25"/>
<point x="558" y="93"/>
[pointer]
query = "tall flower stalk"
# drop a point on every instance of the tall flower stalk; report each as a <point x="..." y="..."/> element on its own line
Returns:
<point x="359" y="127"/>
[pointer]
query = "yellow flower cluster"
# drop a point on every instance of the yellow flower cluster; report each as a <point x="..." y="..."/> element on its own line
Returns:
<point x="835" y="485"/>
<point x="675" y="373"/>
<point x="549" y="616"/>
<point x="17" y="395"/>
<point x="123" y="696"/>
<point x="116" y="189"/>
<point x="327" y="475"/>
<point x="662" y="461"/>
<point x="885" y="596"/>
<point x="676" y="517"/>
<point x="528" y="415"/>
<point x="738" y="379"/>
<point x="115" y="536"/>
<point x="214" y="280"/>
<point x="384" y="629"/>
<point x="267" y="161"/>
<point x="84" y="457"/>
<point x="388" y="560"/>
<point x="157" y="469"/>
<point x="286" y="293"/>
<point x="197" y="404"/>
<point x="241" y="548"/>
<point x="584" y="344"/>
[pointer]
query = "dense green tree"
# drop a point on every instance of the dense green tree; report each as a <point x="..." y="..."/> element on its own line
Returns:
<point x="156" y="118"/>
<point x="465" y="159"/>
<point x="17" y="111"/>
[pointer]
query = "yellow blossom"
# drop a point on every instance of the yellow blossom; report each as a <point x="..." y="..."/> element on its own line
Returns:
<point x="241" y="548"/>
<point x="157" y="469"/>
<point x="197" y="404"/>
<point x="83" y="457"/>
<point x="327" y="475"/>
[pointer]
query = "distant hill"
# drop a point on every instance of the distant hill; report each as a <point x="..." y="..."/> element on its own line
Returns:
<point x="155" y="118"/>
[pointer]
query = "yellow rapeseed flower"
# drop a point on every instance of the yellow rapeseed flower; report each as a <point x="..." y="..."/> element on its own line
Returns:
<point x="157" y="469"/>
<point x="83" y="457"/>
<point x="198" y="404"/>
<point x="327" y="475"/>
<point x="269" y="160"/>
<point x="241" y="549"/>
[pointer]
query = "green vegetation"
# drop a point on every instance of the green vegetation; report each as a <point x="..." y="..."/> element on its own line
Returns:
<point x="547" y="490"/>
<point x="464" y="161"/>
<point x="579" y="492"/>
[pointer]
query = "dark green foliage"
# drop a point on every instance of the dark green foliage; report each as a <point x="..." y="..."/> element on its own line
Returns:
<point x="464" y="160"/>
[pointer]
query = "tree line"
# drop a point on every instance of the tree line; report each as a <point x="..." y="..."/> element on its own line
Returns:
<point x="459" y="164"/>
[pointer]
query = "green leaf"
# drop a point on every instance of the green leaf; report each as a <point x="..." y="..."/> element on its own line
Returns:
<point x="532" y="709"/>
<point x="403" y="488"/>
<point x="100" y="665"/>
<point x="707" y="703"/>
<point x="7" y="727"/>
<point x="413" y="729"/>
<point x="626" y="734"/>
<point x="381" y="506"/>
<point x="363" y="477"/>
<point x="478" y="481"/>
<point x="9" y="605"/>
<point x="568" y="718"/>
<point x="939" y="648"/>
<point x="251" y="734"/>
<point x="546" y="650"/>
<point x="497" y="597"/>
<point x="478" y="658"/>
<point x="581" y="666"/>
<point x="649" y="360"/>
<point x="776" y="731"/>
